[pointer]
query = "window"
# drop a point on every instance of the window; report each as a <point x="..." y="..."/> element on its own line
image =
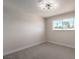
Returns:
<point x="65" y="24"/>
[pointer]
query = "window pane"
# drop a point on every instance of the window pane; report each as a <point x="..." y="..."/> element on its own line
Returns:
<point x="63" y="24"/>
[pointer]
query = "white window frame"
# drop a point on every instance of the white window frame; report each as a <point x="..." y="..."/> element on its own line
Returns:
<point x="63" y="20"/>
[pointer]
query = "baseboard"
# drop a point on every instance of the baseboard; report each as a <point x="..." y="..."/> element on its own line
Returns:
<point x="25" y="47"/>
<point x="62" y="44"/>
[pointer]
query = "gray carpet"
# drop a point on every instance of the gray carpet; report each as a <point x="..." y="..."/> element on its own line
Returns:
<point x="44" y="51"/>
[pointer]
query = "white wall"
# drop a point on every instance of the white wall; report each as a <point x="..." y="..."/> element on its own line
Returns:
<point x="63" y="37"/>
<point x="21" y="29"/>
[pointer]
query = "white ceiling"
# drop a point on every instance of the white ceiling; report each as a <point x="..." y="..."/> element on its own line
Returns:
<point x="30" y="6"/>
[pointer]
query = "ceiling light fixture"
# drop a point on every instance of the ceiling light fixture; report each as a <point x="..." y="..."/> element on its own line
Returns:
<point x="47" y="4"/>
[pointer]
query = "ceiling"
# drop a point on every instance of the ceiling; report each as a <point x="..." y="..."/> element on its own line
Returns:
<point x="30" y="6"/>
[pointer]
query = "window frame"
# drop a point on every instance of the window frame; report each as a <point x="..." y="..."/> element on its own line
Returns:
<point x="62" y="26"/>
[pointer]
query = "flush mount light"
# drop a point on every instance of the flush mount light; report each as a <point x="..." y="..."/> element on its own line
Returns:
<point x="47" y="4"/>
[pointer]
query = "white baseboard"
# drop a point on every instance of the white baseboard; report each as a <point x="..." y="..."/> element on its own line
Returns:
<point x="63" y="44"/>
<point x="19" y="49"/>
<point x="34" y="44"/>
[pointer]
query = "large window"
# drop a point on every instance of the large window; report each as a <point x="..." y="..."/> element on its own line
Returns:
<point x="64" y="24"/>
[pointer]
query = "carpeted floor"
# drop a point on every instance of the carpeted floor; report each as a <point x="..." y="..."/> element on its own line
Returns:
<point x="44" y="51"/>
